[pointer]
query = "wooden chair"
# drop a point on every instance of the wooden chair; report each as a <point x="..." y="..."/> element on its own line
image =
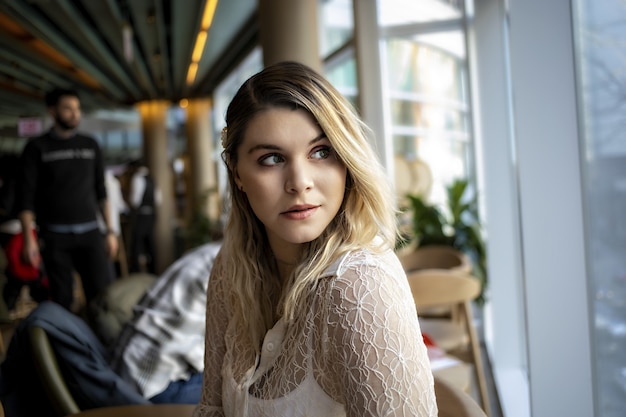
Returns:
<point x="435" y="257"/>
<point x="454" y="371"/>
<point x="453" y="402"/>
<point x="433" y="288"/>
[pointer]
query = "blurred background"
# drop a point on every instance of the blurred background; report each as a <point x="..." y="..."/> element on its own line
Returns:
<point x="519" y="99"/>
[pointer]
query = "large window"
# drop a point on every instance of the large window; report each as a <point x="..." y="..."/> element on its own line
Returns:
<point x="424" y="54"/>
<point x="602" y="85"/>
<point x="336" y="32"/>
<point x="423" y="51"/>
<point x="336" y="24"/>
<point x="118" y="133"/>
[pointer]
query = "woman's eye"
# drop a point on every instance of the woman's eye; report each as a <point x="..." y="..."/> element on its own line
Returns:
<point x="270" y="160"/>
<point x="321" y="153"/>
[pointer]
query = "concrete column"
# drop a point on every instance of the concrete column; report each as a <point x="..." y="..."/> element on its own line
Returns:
<point x="288" y="32"/>
<point x="202" y="170"/>
<point x="153" y="120"/>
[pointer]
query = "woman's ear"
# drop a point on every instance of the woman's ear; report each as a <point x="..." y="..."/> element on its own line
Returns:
<point x="238" y="180"/>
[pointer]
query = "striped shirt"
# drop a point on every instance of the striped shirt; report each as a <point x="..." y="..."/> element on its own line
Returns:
<point x="164" y="342"/>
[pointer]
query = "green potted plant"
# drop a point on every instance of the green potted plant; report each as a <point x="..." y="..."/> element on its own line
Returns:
<point x="457" y="224"/>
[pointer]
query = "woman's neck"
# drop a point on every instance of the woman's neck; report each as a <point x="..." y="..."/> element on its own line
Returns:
<point x="286" y="256"/>
<point x="285" y="269"/>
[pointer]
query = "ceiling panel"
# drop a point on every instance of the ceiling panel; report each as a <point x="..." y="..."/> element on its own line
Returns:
<point x="82" y="44"/>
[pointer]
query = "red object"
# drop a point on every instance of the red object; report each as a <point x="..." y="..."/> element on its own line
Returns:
<point x="428" y="341"/>
<point x="15" y="264"/>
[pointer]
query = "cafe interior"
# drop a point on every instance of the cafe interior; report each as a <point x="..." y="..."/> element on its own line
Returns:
<point x="501" y="117"/>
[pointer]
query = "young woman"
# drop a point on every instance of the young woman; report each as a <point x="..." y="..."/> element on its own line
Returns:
<point x="309" y="312"/>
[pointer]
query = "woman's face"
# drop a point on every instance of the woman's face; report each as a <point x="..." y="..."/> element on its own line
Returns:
<point x="292" y="177"/>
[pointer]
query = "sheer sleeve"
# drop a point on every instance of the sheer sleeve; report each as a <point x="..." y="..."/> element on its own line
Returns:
<point x="215" y="347"/>
<point x="374" y="347"/>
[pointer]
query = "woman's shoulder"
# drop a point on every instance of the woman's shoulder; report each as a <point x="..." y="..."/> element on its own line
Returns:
<point x="367" y="257"/>
<point x="367" y="277"/>
<point x="365" y="266"/>
<point x="218" y="276"/>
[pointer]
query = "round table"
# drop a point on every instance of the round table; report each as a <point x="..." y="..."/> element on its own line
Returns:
<point x="140" y="410"/>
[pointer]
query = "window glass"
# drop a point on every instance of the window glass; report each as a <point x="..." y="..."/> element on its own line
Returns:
<point x="600" y="35"/>
<point x="222" y="96"/>
<point x="226" y="90"/>
<point x="336" y="22"/>
<point x="115" y="144"/>
<point x="118" y="132"/>
<point x="402" y="12"/>
<point x="427" y="85"/>
<point x="343" y="77"/>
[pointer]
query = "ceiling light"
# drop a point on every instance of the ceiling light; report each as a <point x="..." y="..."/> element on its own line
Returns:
<point x="191" y="73"/>
<point x="207" y="16"/>
<point x="198" y="49"/>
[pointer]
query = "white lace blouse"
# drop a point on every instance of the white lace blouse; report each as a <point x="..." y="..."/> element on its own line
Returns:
<point x="356" y="350"/>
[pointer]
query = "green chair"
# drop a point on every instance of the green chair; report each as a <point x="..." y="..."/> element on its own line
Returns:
<point x="50" y="375"/>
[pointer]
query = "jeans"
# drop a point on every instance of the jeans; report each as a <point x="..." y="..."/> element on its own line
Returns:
<point x="181" y="391"/>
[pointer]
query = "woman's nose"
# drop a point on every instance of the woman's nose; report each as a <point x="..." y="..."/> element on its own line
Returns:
<point x="299" y="177"/>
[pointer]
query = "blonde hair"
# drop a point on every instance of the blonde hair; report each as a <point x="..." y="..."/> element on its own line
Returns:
<point x="367" y="210"/>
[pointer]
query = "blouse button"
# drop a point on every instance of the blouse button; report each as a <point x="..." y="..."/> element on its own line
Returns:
<point x="270" y="347"/>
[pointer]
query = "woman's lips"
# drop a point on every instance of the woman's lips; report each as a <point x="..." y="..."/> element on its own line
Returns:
<point x="300" y="212"/>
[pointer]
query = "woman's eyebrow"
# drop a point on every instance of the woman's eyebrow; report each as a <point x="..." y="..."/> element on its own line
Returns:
<point x="317" y="138"/>
<point x="271" y="147"/>
<point x="263" y="146"/>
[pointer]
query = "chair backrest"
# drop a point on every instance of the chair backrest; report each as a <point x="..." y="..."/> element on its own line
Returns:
<point x="453" y="402"/>
<point x="50" y="375"/>
<point x="436" y="288"/>
<point x="113" y="307"/>
<point x="436" y="257"/>
<point x="439" y="288"/>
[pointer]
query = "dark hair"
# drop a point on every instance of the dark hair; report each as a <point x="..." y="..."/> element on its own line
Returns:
<point x="53" y="97"/>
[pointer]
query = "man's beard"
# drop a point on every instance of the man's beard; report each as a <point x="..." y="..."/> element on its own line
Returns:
<point x="65" y="125"/>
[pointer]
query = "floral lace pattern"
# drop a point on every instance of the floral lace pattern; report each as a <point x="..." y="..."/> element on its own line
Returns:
<point x="358" y="339"/>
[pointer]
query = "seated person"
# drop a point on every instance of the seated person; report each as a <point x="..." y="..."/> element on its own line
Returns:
<point x="161" y="350"/>
<point x="158" y="356"/>
<point x="82" y="360"/>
